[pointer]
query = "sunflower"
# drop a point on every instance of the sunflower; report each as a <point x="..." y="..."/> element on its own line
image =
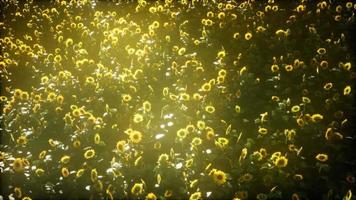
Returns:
<point x="210" y="134"/>
<point x="22" y="140"/>
<point x="57" y="58"/>
<point x="222" y="142"/>
<point x="201" y="125"/>
<point x="157" y="145"/>
<point x="182" y="133"/>
<point x="206" y="87"/>
<point x="135" y="136"/>
<point x="210" y="109"/>
<point x="347" y="90"/>
<point x="58" y="110"/>
<point x="275" y="98"/>
<point x="196" y="141"/>
<point x="51" y="97"/>
<point x="288" y="68"/>
<point x="76" y="143"/>
<point x="190" y="128"/>
<point x="138" y="118"/>
<point x="300" y="122"/>
<point x="242" y="194"/>
<point x="295" y="196"/>
<point x="281" y="161"/>
<point x="147" y="106"/>
<point x="79" y="173"/>
<point x="94" y="175"/>
<point x="306" y="100"/>
<point x="3" y="98"/>
<point x="197" y="96"/>
<point x="42" y="154"/>
<point x="262" y="131"/>
<point x="261" y="196"/>
<point x="274" y="68"/>
<point x="39" y="171"/>
<point x="17" y="93"/>
<point x="90" y="153"/>
<point x="76" y="112"/>
<point x="195" y="196"/>
<point x="222" y="72"/>
<point x="185" y="96"/>
<point x="151" y="196"/>
<point x="219" y="176"/>
<point x="298" y="177"/>
<point x="237" y="109"/>
<point x="18" y="165"/>
<point x="246" y="177"/>
<point x="163" y="159"/>
<point x="65" y="172"/>
<point x="350" y="179"/>
<point x="322" y="157"/>
<point x="168" y="193"/>
<point x="347" y="66"/>
<point x="328" y="86"/>
<point x="137" y="189"/>
<point x="321" y="51"/>
<point x="263" y="152"/>
<point x="97" y="138"/>
<point x="257" y="155"/>
<point x="65" y="159"/>
<point x="248" y="36"/>
<point x="18" y="192"/>
<point x="295" y="108"/>
<point x="69" y="42"/>
<point x="316" y="117"/>
<point x="120" y="145"/>
<point x="2" y="156"/>
<point x="91" y="120"/>
<point x="24" y="96"/>
<point x="181" y="51"/>
<point x="126" y="98"/>
<point x="221" y="54"/>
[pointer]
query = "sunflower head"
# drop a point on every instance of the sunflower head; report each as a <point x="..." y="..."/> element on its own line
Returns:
<point x="18" y="165"/>
<point x="281" y="161"/>
<point x="135" y="137"/>
<point x="219" y="176"/>
<point x="137" y="189"/>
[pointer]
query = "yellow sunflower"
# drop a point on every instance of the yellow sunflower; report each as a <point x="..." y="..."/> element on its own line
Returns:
<point x="18" y="165"/>
<point x="90" y="153"/>
<point x="219" y="176"/>
<point x="135" y="136"/>
<point x="137" y="189"/>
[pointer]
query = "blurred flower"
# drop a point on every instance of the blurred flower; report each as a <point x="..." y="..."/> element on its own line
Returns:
<point x="65" y="159"/>
<point x="210" y="109"/>
<point x="163" y="159"/>
<point x="94" y="175"/>
<point x="321" y="157"/>
<point x="281" y="161"/>
<point x="151" y="196"/>
<point x="89" y="154"/>
<point x="248" y="36"/>
<point x="65" y="172"/>
<point x="182" y="133"/>
<point x="347" y="90"/>
<point x="18" y="165"/>
<point x="195" y="196"/>
<point x="137" y="189"/>
<point x="135" y="137"/>
<point x="218" y="176"/>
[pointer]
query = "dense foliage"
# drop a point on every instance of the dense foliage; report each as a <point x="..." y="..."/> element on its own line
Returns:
<point x="177" y="100"/>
